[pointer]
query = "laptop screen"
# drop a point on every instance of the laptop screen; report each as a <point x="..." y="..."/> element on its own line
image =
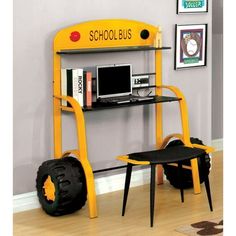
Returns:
<point x="114" y="80"/>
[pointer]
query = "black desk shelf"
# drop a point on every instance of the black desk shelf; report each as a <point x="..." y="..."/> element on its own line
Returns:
<point x="109" y="49"/>
<point x="101" y="106"/>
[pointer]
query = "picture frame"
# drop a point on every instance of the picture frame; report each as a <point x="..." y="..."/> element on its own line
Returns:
<point x="190" y="46"/>
<point x="192" y="6"/>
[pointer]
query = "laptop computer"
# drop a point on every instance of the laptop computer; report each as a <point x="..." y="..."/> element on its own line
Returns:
<point x="114" y="84"/>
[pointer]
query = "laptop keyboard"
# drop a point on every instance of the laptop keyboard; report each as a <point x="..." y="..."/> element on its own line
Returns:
<point x="124" y="99"/>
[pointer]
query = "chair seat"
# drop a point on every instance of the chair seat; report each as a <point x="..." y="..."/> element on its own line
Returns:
<point x="175" y="154"/>
<point x="168" y="155"/>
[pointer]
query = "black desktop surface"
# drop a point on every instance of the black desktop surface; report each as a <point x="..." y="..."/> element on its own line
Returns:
<point x="156" y="99"/>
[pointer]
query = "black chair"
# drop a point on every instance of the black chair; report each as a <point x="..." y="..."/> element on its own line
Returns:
<point x="176" y="154"/>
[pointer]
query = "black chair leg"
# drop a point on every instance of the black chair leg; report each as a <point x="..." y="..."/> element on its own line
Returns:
<point x="152" y="193"/>
<point x="206" y="181"/>
<point x="180" y="180"/>
<point x="127" y="183"/>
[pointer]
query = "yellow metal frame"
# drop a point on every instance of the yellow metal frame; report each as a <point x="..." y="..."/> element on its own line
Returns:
<point x="119" y="33"/>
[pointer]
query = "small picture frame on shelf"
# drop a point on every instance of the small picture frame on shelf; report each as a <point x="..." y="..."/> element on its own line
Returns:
<point x="192" y="6"/>
<point x="190" y="46"/>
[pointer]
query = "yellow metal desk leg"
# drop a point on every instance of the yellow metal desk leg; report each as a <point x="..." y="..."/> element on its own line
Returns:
<point x="82" y="155"/>
<point x="195" y="174"/>
<point x="90" y="188"/>
<point x="159" y="174"/>
<point x="159" y="121"/>
<point x="57" y="130"/>
<point x="89" y="181"/>
<point x="81" y="137"/>
<point x="186" y="135"/>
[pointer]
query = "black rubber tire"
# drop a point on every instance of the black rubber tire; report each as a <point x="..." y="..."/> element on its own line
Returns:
<point x="187" y="181"/>
<point x="68" y="177"/>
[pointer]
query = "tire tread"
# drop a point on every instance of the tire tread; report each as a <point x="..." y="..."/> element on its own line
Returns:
<point x="69" y="179"/>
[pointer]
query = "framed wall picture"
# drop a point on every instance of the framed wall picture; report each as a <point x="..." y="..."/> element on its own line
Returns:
<point x="190" y="45"/>
<point x="192" y="6"/>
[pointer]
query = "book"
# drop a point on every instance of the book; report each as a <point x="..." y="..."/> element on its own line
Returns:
<point x="63" y="86"/>
<point x="80" y="97"/>
<point x="76" y="83"/>
<point x="89" y="89"/>
<point x="87" y="86"/>
<point x="84" y="86"/>
<point x="69" y="84"/>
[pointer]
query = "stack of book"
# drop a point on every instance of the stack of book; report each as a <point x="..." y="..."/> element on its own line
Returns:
<point x="77" y="83"/>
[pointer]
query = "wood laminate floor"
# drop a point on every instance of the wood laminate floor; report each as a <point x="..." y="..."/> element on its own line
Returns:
<point x="170" y="213"/>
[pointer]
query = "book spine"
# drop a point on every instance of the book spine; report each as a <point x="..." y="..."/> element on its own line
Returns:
<point x="80" y="87"/>
<point x="63" y="86"/>
<point x="85" y="87"/>
<point x="89" y="89"/>
<point x="75" y="79"/>
<point x="69" y="84"/>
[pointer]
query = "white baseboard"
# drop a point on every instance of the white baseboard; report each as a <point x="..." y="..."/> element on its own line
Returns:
<point x="116" y="182"/>
<point x="25" y="202"/>
<point x="29" y="201"/>
<point x="217" y="144"/>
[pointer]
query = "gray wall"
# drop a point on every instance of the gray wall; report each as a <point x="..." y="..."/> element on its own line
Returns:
<point x="217" y="69"/>
<point x="111" y="132"/>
